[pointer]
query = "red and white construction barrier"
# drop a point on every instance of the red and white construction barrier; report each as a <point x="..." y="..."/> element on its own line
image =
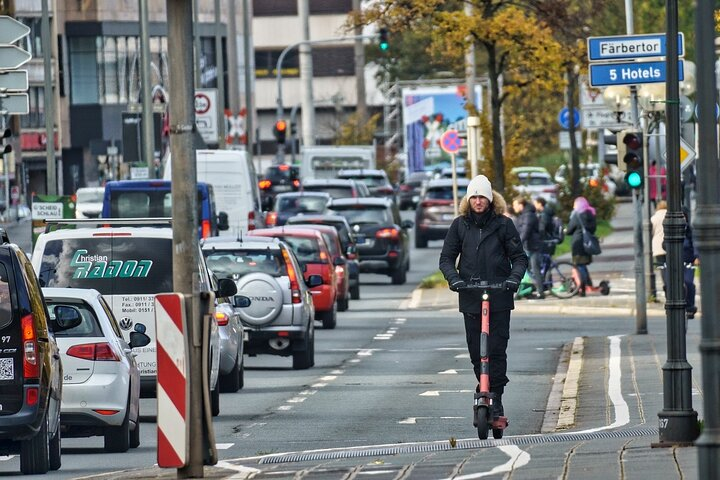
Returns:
<point x="172" y="385"/>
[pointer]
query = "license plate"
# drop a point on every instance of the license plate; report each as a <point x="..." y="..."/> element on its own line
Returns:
<point x="282" y="188"/>
<point x="447" y="216"/>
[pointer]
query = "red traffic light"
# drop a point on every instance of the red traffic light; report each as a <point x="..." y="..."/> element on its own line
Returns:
<point x="632" y="141"/>
<point x="281" y="125"/>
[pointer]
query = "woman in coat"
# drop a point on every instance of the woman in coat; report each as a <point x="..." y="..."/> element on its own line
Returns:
<point x="583" y="214"/>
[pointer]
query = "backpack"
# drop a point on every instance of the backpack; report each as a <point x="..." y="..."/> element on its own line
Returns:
<point x="557" y="230"/>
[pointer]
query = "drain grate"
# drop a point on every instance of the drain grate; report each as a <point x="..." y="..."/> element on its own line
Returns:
<point x="430" y="447"/>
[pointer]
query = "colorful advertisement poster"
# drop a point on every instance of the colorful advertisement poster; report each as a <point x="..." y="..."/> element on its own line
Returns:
<point x="427" y="113"/>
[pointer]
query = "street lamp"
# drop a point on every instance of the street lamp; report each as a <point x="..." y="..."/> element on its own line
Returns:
<point x="617" y="99"/>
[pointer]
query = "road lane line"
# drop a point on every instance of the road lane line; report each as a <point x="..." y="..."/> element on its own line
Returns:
<point x="436" y="393"/>
<point x="223" y="446"/>
<point x="518" y="458"/>
<point x="246" y="472"/>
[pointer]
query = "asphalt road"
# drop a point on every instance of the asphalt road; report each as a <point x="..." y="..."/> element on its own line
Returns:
<point x="386" y="374"/>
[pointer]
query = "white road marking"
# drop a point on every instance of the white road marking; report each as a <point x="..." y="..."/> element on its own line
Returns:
<point x="436" y="393"/>
<point x="5" y="458"/>
<point x="319" y="385"/>
<point x="328" y="378"/>
<point x="413" y="420"/>
<point x="448" y="372"/>
<point x="377" y="472"/>
<point x="241" y="469"/>
<point x="308" y="392"/>
<point x="445" y="349"/>
<point x="337" y="372"/>
<point x="354" y="360"/>
<point x="297" y="400"/>
<point x="463" y="355"/>
<point x="400" y="321"/>
<point x="223" y="446"/>
<point x="365" y="353"/>
<point x="285" y="408"/>
<point x="518" y="458"/>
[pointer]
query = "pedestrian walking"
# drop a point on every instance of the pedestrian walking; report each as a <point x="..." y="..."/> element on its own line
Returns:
<point x="657" y="182"/>
<point x="581" y="218"/>
<point x="690" y="258"/>
<point x="529" y="230"/>
<point x="658" y="237"/>
<point x="546" y="224"/>
<point x="490" y="249"/>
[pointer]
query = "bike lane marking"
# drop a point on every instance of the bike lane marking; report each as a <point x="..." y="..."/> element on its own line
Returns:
<point x="518" y="458"/>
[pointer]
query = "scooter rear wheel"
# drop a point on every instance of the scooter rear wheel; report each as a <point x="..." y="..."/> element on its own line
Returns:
<point x="483" y="419"/>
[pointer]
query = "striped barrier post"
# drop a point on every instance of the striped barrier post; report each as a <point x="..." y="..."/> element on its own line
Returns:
<point x="172" y="380"/>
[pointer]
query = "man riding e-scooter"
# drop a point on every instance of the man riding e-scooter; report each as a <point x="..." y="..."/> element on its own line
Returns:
<point x="490" y="250"/>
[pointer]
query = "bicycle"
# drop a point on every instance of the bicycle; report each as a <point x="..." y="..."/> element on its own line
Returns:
<point x="484" y="398"/>
<point x="558" y="277"/>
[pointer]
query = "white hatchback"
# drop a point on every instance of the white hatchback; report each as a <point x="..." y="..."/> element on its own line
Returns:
<point x="101" y="380"/>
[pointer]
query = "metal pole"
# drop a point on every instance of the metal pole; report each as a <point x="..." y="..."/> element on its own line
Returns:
<point x="677" y="420"/>
<point x="220" y="69"/>
<point x="148" y="126"/>
<point x="306" y="77"/>
<point x="473" y="133"/>
<point x="6" y="171"/>
<point x="52" y="186"/>
<point x="233" y="87"/>
<point x="454" y="184"/>
<point x="707" y="232"/>
<point x="470" y="65"/>
<point x="184" y="212"/>
<point x="647" y="227"/>
<point x="359" y="50"/>
<point x="248" y="63"/>
<point x="293" y="120"/>
<point x="197" y="47"/>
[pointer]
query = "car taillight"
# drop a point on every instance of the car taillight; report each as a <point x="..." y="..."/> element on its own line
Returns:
<point x="264" y="184"/>
<point x="31" y="366"/>
<point x="222" y="319"/>
<point x="323" y="256"/>
<point x="205" y="228"/>
<point x="435" y="203"/>
<point x="32" y="396"/>
<point x="391" y="233"/>
<point x="271" y="219"/>
<point x="296" y="183"/>
<point x="550" y="190"/>
<point x="292" y="275"/>
<point x="405" y="188"/>
<point x="94" y="352"/>
<point x="384" y="190"/>
<point x="251" y="220"/>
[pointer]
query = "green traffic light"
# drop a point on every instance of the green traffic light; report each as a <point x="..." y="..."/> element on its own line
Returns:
<point x="634" y="179"/>
<point x="384" y="46"/>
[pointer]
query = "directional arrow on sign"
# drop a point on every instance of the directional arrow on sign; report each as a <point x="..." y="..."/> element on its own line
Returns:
<point x="11" y="30"/>
<point x="12" y="57"/>
<point x="14" y="81"/>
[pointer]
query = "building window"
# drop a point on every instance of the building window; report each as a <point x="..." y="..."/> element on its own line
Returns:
<point x="324" y="7"/>
<point x="33" y="41"/>
<point x="333" y="61"/>
<point x="36" y="116"/>
<point x="274" y="8"/>
<point x="266" y="63"/>
<point x="83" y="70"/>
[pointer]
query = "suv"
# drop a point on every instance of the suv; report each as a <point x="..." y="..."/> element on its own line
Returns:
<point x="386" y="248"/>
<point x="435" y="212"/>
<point x="279" y="319"/>
<point x="128" y="265"/>
<point x="376" y="181"/>
<point x="30" y="368"/>
<point x="278" y="179"/>
<point x="337" y="187"/>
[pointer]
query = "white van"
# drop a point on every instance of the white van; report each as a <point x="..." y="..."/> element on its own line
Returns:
<point x="232" y="176"/>
<point x="325" y="161"/>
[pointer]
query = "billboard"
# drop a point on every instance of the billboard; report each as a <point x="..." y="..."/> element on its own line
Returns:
<point x="427" y="113"/>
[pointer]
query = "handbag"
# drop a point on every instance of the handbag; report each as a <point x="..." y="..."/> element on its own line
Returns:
<point x="591" y="244"/>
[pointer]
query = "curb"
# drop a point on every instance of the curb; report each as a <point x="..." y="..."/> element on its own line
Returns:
<point x="568" y="405"/>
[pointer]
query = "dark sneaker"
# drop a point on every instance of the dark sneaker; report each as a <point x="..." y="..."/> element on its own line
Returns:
<point x="690" y="312"/>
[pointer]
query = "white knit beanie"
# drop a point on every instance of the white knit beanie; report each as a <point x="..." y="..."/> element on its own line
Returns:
<point x="480" y="186"/>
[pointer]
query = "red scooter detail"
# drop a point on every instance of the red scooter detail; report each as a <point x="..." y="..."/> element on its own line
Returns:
<point x="483" y="417"/>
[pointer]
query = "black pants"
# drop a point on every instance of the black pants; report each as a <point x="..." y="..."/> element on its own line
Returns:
<point x="499" y="336"/>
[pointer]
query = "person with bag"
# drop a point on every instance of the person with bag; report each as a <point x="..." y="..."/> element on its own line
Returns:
<point x="527" y="226"/>
<point x="584" y="243"/>
<point x="490" y="249"/>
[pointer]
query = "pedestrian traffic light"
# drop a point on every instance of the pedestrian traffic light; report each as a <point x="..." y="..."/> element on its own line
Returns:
<point x="384" y="42"/>
<point x="5" y="148"/>
<point x="630" y="157"/>
<point x="280" y="130"/>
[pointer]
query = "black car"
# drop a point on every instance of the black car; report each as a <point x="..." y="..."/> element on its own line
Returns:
<point x="411" y="189"/>
<point x="30" y="369"/>
<point x="298" y="203"/>
<point x="348" y="243"/>
<point x="278" y="179"/>
<point x="337" y="187"/>
<point x="386" y="249"/>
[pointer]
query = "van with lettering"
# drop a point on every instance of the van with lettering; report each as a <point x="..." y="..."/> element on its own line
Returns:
<point x="128" y="265"/>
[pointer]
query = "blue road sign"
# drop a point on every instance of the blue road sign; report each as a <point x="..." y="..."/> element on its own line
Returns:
<point x="564" y="118"/>
<point x="625" y="47"/>
<point x="631" y="73"/>
<point x="717" y="111"/>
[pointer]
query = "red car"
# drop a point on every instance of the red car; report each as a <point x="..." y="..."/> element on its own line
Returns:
<point x="314" y="257"/>
<point x="332" y="239"/>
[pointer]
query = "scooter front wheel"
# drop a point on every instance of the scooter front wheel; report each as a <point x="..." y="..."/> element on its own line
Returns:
<point x="483" y="419"/>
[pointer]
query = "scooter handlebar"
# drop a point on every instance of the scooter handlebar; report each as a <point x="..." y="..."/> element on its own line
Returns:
<point x="483" y="286"/>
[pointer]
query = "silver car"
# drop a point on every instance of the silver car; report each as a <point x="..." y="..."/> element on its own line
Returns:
<point x="101" y="381"/>
<point x="232" y="335"/>
<point x="279" y="319"/>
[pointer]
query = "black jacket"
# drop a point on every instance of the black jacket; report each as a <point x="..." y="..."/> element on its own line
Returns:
<point x="575" y="229"/>
<point x="493" y="253"/>
<point x="529" y="229"/>
<point x="545" y="223"/>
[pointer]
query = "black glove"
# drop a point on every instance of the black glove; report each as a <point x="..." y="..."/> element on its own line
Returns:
<point x="511" y="285"/>
<point x="457" y="285"/>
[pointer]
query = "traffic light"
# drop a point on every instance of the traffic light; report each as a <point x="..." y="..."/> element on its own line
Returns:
<point x="5" y="148"/>
<point x="630" y="157"/>
<point x="384" y="42"/>
<point x="280" y="130"/>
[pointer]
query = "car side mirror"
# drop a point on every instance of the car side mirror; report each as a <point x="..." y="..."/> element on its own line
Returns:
<point x="226" y="288"/>
<point x="241" y="301"/>
<point x="66" y="317"/>
<point x="223" y="223"/>
<point x="339" y="261"/>
<point x="138" y="339"/>
<point x="314" y="281"/>
<point x="407" y="224"/>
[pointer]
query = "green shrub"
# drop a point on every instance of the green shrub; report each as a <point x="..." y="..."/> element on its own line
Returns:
<point x="436" y="280"/>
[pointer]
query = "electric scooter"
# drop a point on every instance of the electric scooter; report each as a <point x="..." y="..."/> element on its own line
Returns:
<point x="484" y="398"/>
<point x="603" y="287"/>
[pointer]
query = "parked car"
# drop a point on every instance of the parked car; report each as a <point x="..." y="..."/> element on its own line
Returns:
<point x="89" y="202"/>
<point x="312" y="253"/>
<point x="280" y="317"/>
<point x="386" y="248"/>
<point x="376" y="181"/>
<point x="129" y="266"/>
<point x="410" y="190"/>
<point x="348" y="242"/>
<point x="101" y="381"/>
<point x="534" y="182"/>
<point x="232" y="336"/>
<point x="30" y="368"/>
<point x="592" y="174"/>
<point x="296" y="203"/>
<point x="436" y="212"/>
<point x="278" y="179"/>
<point x="337" y="187"/>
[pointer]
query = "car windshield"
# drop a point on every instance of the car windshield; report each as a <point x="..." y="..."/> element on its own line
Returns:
<point x="307" y="250"/>
<point x="90" y="196"/>
<point x="236" y="263"/>
<point x="302" y="204"/>
<point x="372" y="181"/>
<point x="333" y="191"/>
<point x="89" y="326"/>
<point x="364" y="214"/>
<point x="282" y="172"/>
<point x="444" y="193"/>
<point x="534" y="180"/>
<point x="110" y="265"/>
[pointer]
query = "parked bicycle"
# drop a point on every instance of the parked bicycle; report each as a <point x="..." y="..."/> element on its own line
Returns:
<point x="558" y="277"/>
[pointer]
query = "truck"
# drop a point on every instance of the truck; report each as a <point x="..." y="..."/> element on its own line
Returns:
<point x="325" y="161"/>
